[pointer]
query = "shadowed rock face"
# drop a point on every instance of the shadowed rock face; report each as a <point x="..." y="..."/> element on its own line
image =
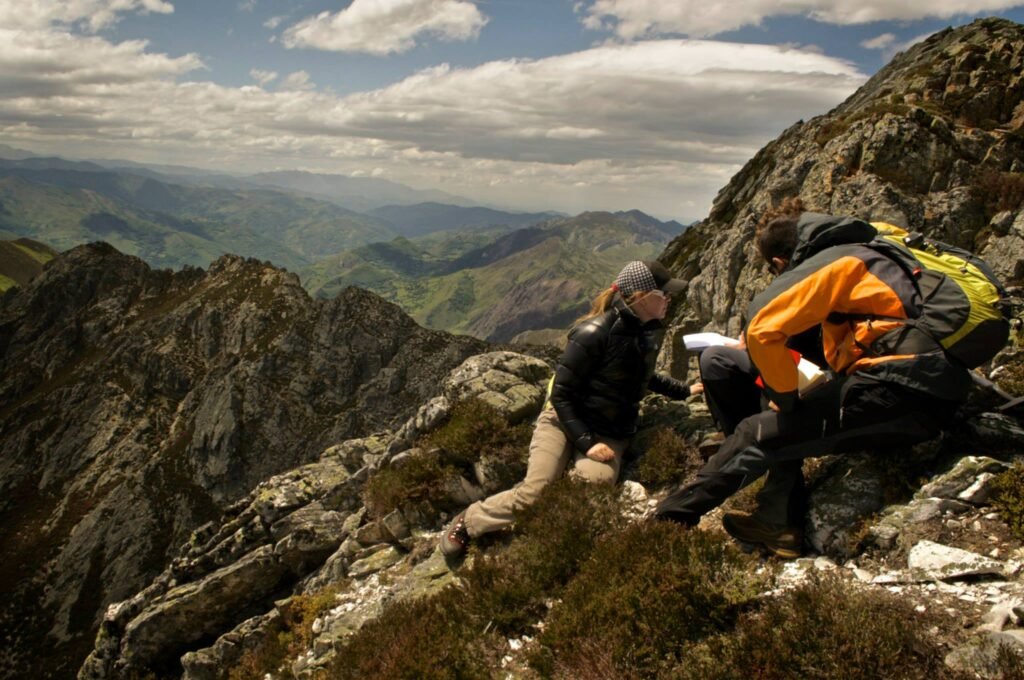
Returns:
<point x="933" y="142"/>
<point x="137" y="404"/>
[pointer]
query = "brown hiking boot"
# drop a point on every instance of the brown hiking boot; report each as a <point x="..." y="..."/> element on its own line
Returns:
<point x="784" y="542"/>
<point x="455" y="539"/>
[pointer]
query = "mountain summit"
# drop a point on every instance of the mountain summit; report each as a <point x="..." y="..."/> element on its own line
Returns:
<point x="933" y="142"/>
<point x="137" y="404"/>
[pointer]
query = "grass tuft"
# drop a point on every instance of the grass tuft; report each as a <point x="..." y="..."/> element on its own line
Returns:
<point x="1008" y="498"/>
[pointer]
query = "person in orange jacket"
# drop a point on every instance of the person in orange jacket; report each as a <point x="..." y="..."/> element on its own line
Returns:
<point x="885" y="392"/>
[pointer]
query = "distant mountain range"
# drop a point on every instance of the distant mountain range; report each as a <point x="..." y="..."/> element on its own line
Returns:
<point x="495" y="284"/>
<point x="426" y="218"/>
<point x="169" y="225"/>
<point x="468" y="269"/>
<point x="356" y="193"/>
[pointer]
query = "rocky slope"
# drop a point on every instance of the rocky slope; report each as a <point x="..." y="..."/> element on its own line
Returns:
<point x="307" y="538"/>
<point x="137" y="404"/>
<point x="933" y="142"/>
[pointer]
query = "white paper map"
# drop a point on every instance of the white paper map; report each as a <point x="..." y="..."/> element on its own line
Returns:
<point x="705" y="340"/>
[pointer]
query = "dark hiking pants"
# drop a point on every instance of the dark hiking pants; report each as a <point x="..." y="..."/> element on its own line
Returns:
<point x="847" y="414"/>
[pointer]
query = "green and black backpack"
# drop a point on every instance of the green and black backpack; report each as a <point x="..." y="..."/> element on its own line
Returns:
<point x="964" y="306"/>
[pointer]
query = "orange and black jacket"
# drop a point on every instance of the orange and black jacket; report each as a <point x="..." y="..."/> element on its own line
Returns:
<point x="856" y="295"/>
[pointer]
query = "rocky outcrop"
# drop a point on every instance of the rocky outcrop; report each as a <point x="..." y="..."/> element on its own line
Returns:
<point x="138" y="404"/>
<point x="933" y="142"/>
<point x="300" y="532"/>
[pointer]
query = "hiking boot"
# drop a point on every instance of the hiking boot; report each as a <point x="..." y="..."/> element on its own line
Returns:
<point x="784" y="542"/>
<point x="455" y="539"/>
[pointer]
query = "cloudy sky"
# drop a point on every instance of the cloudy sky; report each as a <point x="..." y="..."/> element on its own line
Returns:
<point x="529" y="104"/>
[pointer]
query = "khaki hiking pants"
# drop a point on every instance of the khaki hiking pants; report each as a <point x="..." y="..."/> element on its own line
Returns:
<point x="550" y="452"/>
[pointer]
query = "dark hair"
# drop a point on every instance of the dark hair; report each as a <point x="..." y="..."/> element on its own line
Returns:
<point x="776" y="230"/>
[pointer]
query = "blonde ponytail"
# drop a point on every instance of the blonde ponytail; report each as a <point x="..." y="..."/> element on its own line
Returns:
<point x="603" y="302"/>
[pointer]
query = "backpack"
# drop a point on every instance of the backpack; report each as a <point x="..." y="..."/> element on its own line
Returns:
<point x="964" y="306"/>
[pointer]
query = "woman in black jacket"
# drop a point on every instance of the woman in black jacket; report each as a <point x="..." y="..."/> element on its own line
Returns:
<point x="593" y="398"/>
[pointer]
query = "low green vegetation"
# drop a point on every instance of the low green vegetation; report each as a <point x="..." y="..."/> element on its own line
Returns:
<point x="604" y="598"/>
<point x="474" y="429"/>
<point x="461" y="632"/>
<point x="668" y="459"/>
<point x="1009" y="498"/>
<point x="287" y="636"/>
<point x="644" y="594"/>
<point x="422" y="479"/>
<point x="825" y="628"/>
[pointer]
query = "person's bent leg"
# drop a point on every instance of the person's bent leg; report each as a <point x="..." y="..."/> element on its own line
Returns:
<point x="782" y="500"/>
<point x="729" y="388"/>
<point x="738" y="462"/>
<point x="751" y="450"/>
<point x="550" y="451"/>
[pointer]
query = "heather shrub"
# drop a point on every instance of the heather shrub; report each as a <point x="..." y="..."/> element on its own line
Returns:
<point x="668" y="459"/>
<point x="461" y="631"/>
<point x="997" y="191"/>
<point x="474" y="428"/>
<point x="825" y="628"/>
<point x="641" y="596"/>
<point x="430" y="638"/>
<point x="287" y="636"/>
<point x="1008" y="498"/>
<point x="1011" y="377"/>
<point x="554" y="537"/>
<point x="423" y="477"/>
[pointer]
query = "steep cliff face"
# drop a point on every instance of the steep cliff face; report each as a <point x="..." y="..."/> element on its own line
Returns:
<point x="137" y="404"/>
<point x="933" y="142"/>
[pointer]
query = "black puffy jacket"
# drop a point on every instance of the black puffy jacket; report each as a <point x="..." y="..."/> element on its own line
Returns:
<point x="607" y="366"/>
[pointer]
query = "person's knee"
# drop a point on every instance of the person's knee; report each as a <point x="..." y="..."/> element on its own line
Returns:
<point x="716" y="363"/>
<point x="594" y="472"/>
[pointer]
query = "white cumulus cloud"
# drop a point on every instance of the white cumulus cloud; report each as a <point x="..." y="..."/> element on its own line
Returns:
<point x="90" y="14"/>
<point x="298" y="80"/>
<point x="383" y="27"/>
<point x="660" y="125"/>
<point x="632" y="19"/>
<point x="879" y="42"/>
<point x="262" y="77"/>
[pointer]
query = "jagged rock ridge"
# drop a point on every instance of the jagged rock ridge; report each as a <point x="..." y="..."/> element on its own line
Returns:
<point x="933" y="142"/>
<point x="137" y="404"/>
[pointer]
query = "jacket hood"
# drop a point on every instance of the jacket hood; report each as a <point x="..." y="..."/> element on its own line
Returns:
<point x="816" y="232"/>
